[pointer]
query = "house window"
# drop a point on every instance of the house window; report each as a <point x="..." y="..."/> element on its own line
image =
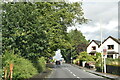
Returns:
<point x="109" y="56"/>
<point x="110" y="47"/>
<point x="93" y="47"/>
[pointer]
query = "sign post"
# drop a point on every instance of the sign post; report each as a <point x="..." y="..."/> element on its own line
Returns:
<point x="102" y="59"/>
<point x="105" y="54"/>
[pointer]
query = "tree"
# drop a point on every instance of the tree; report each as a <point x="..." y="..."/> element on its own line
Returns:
<point x="78" y="43"/>
<point x="40" y="28"/>
<point x="76" y="37"/>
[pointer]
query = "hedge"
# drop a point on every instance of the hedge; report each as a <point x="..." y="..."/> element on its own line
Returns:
<point x="22" y="69"/>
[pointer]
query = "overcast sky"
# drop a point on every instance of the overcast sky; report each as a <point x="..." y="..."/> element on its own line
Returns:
<point x="101" y="12"/>
<point x="58" y="55"/>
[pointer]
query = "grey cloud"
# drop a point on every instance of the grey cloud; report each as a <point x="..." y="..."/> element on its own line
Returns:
<point x="100" y="10"/>
<point x="97" y="36"/>
<point x="106" y="11"/>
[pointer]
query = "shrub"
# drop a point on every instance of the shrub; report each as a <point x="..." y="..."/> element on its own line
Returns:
<point x="99" y="65"/>
<point x="75" y="61"/>
<point x="84" y="56"/>
<point x="0" y="66"/>
<point x="42" y="63"/>
<point x="23" y="68"/>
<point x="114" y="62"/>
<point x="39" y="64"/>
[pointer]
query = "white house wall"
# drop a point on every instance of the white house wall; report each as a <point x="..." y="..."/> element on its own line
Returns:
<point x="119" y="49"/>
<point x="89" y="48"/>
<point x="110" y="42"/>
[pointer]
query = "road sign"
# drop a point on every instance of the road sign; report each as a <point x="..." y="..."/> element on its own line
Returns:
<point x="104" y="51"/>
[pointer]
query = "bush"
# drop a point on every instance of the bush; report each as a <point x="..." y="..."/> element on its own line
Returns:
<point x="0" y="67"/>
<point x="23" y="68"/>
<point x="42" y="63"/>
<point x="114" y="62"/>
<point x="75" y="61"/>
<point x="39" y="64"/>
<point x="84" y="56"/>
<point x="99" y="65"/>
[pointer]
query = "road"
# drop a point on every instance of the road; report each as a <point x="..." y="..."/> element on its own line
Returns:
<point x="72" y="73"/>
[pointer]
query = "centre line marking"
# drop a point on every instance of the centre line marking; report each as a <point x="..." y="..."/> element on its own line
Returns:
<point x="71" y="72"/>
<point x="78" y="77"/>
<point x="68" y="70"/>
<point x="74" y="75"/>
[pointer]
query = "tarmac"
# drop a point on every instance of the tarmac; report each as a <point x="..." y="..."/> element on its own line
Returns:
<point x="93" y="71"/>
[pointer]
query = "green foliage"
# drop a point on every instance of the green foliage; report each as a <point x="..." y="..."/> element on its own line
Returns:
<point x="75" y="61"/>
<point x="99" y="63"/>
<point x="22" y="68"/>
<point x="84" y="56"/>
<point x="77" y="42"/>
<point x="97" y="57"/>
<point x="76" y="37"/>
<point x="40" y="28"/>
<point x="113" y="62"/>
<point x="42" y="63"/>
<point x="66" y="53"/>
<point x="0" y="66"/>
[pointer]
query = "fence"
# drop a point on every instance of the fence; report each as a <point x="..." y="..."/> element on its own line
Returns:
<point x="113" y="69"/>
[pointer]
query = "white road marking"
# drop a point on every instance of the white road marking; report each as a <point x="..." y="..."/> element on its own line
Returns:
<point x="78" y="77"/>
<point x="67" y="69"/>
<point x="71" y="72"/>
<point x="74" y="75"/>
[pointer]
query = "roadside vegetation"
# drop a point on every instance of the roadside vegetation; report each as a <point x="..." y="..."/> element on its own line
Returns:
<point x="84" y="56"/>
<point x="95" y="62"/>
<point x="113" y="66"/>
<point x="78" y="44"/>
<point x="114" y="62"/>
<point x="32" y="32"/>
<point x="23" y="68"/>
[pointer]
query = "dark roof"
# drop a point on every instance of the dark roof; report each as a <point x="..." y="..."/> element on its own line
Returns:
<point x="92" y="52"/>
<point x="99" y="42"/>
<point x="116" y="40"/>
<point x="96" y="41"/>
<point x="112" y="52"/>
<point x="119" y="40"/>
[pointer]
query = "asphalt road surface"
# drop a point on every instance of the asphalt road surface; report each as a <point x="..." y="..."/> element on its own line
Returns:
<point x="69" y="72"/>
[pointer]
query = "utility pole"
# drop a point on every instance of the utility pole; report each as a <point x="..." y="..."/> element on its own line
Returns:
<point x="101" y="45"/>
<point x="103" y="53"/>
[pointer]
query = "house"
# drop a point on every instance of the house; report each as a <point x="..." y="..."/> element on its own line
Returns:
<point x="93" y="47"/>
<point x="111" y="45"/>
